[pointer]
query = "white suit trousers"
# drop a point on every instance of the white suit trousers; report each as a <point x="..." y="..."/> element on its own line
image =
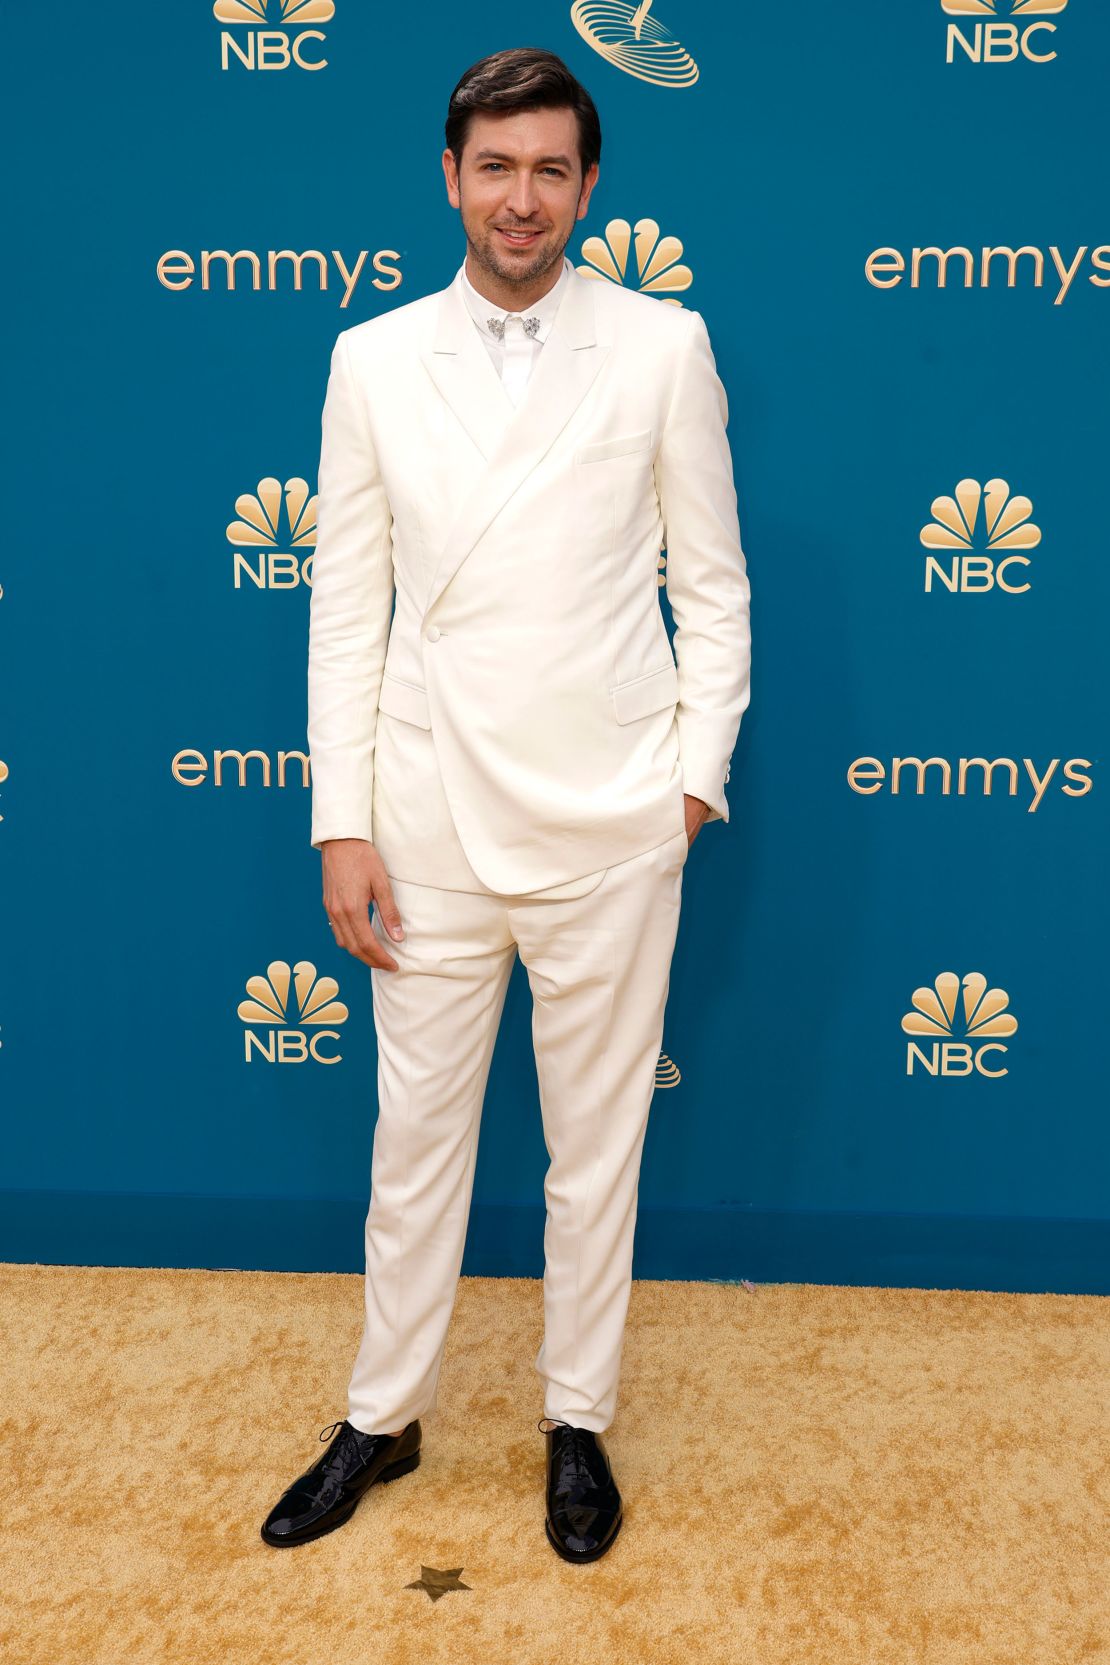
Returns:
<point x="598" y="966"/>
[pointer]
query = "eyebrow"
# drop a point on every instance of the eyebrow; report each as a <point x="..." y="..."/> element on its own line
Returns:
<point x="503" y="156"/>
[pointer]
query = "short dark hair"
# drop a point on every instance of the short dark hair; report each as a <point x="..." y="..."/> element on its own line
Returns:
<point x="522" y="78"/>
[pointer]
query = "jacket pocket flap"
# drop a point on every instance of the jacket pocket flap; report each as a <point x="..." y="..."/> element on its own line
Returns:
<point x="616" y="447"/>
<point x="644" y="694"/>
<point x="404" y="700"/>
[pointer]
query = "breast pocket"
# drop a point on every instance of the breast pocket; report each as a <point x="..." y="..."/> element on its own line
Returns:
<point x="620" y="445"/>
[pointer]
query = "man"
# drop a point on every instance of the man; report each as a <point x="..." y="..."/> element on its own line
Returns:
<point x="506" y="757"/>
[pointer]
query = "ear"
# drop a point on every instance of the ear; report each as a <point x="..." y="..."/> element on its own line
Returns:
<point x="588" y="184"/>
<point x="451" y="177"/>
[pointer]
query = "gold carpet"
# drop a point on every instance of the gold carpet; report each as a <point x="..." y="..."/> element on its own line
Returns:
<point x="811" y="1476"/>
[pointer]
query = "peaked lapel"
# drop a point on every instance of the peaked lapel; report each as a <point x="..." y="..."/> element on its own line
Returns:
<point x="512" y="440"/>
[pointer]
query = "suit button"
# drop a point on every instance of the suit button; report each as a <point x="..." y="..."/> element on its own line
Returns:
<point x="432" y="633"/>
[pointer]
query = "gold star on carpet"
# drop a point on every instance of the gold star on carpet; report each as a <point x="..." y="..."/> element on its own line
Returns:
<point x="437" y="1582"/>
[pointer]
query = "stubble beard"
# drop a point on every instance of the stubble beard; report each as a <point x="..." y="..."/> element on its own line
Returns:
<point x="488" y="258"/>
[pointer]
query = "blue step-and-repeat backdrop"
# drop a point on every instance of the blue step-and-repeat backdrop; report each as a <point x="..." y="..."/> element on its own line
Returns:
<point x="884" y="1047"/>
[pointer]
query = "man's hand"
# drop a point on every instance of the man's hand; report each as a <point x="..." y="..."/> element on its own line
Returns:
<point x="354" y="877"/>
<point x="696" y="811"/>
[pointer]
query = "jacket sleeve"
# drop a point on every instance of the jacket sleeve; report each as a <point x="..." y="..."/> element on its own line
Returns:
<point x="349" y="612"/>
<point x="707" y="581"/>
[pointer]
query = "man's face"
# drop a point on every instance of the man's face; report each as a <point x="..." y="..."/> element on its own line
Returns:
<point x="519" y="171"/>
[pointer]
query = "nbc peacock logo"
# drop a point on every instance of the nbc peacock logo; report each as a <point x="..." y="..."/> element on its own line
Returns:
<point x="1001" y="31"/>
<point x="657" y="269"/>
<point x="274" y="538"/>
<point x="297" y="1012"/>
<point x="958" y="1042"/>
<point x="978" y="539"/>
<point x="1003" y="8"/>
<point x="3" y="776"/>
<point x="280" y="33"/>
<point x="667" y="1072"/>
<point x="632" y="39"/>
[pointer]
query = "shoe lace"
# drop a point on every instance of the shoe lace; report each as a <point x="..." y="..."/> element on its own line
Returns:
<point x="336" y="1458"/>
<point x="578" y="1449"/>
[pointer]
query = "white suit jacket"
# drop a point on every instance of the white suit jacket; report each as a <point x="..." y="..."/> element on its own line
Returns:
<point x="488" y="662"/>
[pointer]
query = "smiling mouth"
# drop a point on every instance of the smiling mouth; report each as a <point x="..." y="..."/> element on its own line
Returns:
<point x="513" y="236"/>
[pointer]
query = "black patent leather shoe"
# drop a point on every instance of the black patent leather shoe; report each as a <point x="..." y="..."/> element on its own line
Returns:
<point x="583" y="1504"/>
<point x="328" y="1493"/>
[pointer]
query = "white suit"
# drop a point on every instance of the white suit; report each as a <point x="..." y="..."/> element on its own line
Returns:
<point x="516" y="741"/>
<point x="528" y="658"/>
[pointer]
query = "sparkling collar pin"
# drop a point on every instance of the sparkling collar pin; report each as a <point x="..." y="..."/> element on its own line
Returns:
<point x="497" y="325"/>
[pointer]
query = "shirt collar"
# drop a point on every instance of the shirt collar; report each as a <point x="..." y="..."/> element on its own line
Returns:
<point x="544" y="309"/>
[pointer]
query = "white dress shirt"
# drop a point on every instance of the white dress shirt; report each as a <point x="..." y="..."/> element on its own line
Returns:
<point x="515" y="353"/>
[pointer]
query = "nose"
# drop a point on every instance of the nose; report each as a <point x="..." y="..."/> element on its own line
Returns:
<point x="522" y="197"/>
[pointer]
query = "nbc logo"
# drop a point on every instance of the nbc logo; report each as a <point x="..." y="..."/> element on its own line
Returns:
<point x="286" y="1041"/>
<point x="958" y="1045"/>
<point x="657" y="269"/>
<point x="273" y="48"/>
<point x="981" y="545"/>
<point x="3" y="776"/>
<point x="667" y="1072"/>
<point x="632" y="40"/>
<point x="261" y="528"/>
<point x="1006" y="34"/>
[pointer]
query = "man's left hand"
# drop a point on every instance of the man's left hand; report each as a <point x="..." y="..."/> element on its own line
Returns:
<point x="696" y="811"/>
